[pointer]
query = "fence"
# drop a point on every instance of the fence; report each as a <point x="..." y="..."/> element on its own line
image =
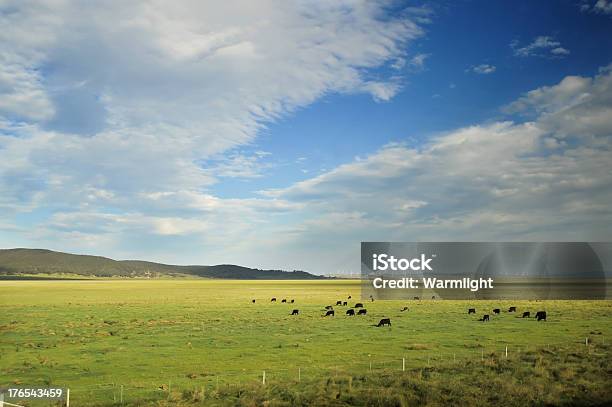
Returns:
<point x="233" y="381"/>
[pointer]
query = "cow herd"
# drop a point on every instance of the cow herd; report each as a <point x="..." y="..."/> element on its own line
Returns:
<point x="540" y="315"/>
<point x="273" y="299"/>
<point x="330" y="312"/>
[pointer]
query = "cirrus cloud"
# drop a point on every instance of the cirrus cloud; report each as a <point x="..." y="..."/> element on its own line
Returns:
<point x="542" y="46"/>
<point x="149" y="102"/>
<point x="111" y="136"/>
<point x="483" y="69"/>
<point x="548" y="178"/>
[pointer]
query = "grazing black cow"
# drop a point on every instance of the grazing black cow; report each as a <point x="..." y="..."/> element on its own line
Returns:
<point x="372" y="299"/>
<point x="295" y="312"/>
<point x="284" y="300"/>
<point x="471" y="311"/>
<point x="384" y="321"/>
<point x="344" y="303"/>
<point x="404" y="309"/>
<point x="496" y="311"/>
<point x="329" y="313"/>
<point x="292" y="301"/>
<point x="349" y="297"/>
<point x="273" y="300"/>
<point x="416" y="298"/>
<point x="526" y="314"/>
<point x="541" y="315"/>
<point x="362" y="311"/>
<point x="512" y="309"/>
<point x="329" y="307"/>
<point x="338" y="302"/>
<point x="253" y="301"/>
<point x="358" y="305"/>
<point x="433" y="297"/>
<point x="485" y="318"/>
<point x="350" y="312"/>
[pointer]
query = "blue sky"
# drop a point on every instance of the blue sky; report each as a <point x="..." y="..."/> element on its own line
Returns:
<point x="283" y="135"/>
<point x="441" y="95"/>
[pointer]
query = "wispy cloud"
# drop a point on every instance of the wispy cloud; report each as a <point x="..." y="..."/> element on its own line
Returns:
<point x="483" y="69"/>
<point x="188" y="82"/>
<point x="418" y="61"/>
<point x="238" y="165"/>
<point x="382" y="91"/>
<point x="598" y="7"/>
<point x="542" y="46"/>
<point x="134" y="121"/>
<point x="123" y="160"/>
<point x="544" y="178"/>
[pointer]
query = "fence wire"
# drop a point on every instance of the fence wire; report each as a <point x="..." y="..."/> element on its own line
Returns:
<point x="120" y="393"/>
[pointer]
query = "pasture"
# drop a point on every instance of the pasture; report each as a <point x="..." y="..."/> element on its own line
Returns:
<point x="203" y="342"/>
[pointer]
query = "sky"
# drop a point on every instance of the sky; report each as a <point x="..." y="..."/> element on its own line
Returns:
<point x="279" y="134"/>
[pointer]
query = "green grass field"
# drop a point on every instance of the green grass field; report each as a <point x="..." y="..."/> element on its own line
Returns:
<point x="202" y="342"/>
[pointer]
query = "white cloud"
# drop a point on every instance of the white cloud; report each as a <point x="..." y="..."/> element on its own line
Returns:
<point x="599" y="6"/>
<point x="545" y="179"/>
<point x="418" y="61"/>
<point x="168" y="112"/>
<point x="483" y="69"/>
<point x="116" y="118"/>
<point x="240" y="165"/>
<point x="22" y="92"/>
<point x="570" y="91"/>
<point x="543" y="46"/>
<point x="549" y="178"/>
<point x="575" y="107"/>
<point x="381" y="91"/>
<point x="603" y="6"/>
<point x="138" y="105"/>
<point x="559" y="51"/>
<point x="399" y="63"/>
<point x="22" y="89"/>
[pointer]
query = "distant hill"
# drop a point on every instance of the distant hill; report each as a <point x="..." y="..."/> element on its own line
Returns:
<point x="22" y="262"/>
